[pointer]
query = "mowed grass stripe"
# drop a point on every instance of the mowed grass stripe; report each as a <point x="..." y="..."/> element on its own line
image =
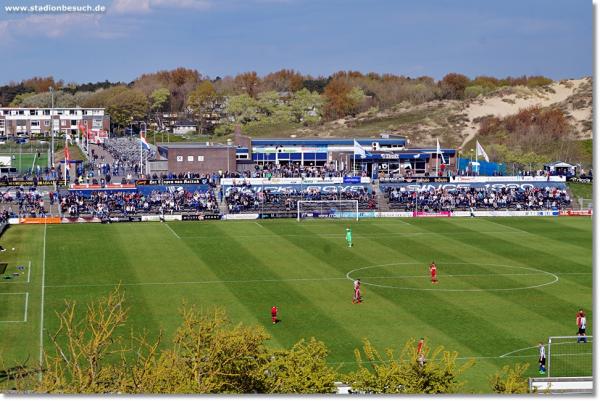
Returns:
<point x="374" y="296"/>
<point x="301" y="312"/>
<point x="521" y="255"/>
<point x="552" y="234"/>
<point x="315" y="297"/>
<point x="491" y="304"/>
<point x="115" y="258"/>
<point x="19" y="342"/>
<point x="553" y="228"/>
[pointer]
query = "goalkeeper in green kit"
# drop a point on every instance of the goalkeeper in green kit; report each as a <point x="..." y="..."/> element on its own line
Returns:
<point x="349" y="237"/>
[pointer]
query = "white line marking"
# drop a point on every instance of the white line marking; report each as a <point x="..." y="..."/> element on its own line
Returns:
<point x="348" y="275"/>
<point x="535" y="346"/>
<point x="26" y="305"/>
<point x="26" y="302"/>
<point x="343" y="235"/>
<point x="462" y="275"/>
<point x="16" y="281"/>
<point x="173" y="231"/>
<point x="42" y="300"/>
<point x="307" y="279"/>
<point x="258" y="224"/>
<point x="471" y="357"/>
<point x="198" y="282"/>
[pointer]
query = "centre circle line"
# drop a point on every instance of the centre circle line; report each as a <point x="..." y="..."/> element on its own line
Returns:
<point x="537" y="271"/>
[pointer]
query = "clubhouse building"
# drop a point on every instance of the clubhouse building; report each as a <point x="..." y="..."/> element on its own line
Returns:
<point x="382" y="155"/>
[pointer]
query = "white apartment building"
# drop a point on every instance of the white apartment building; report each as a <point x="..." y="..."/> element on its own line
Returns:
<point x="35" y="121"/>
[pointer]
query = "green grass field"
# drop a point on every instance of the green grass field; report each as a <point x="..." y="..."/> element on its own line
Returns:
<point x="505" y="283"/>
<point x="26" y="161"/>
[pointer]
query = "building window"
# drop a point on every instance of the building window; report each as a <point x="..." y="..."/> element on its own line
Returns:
<point x="179" y="158"/>
<point x="73" y="122"/>
<point x="190" y="158"/>
<point x="200" y="158"/>
<point x="46" y="123"/>
<point x="46" y="112"/>
<point x="35" y="123"/>
<point x="85" y="122"/>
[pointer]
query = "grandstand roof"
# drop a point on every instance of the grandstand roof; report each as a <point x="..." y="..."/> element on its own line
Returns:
<point x="327" y="141"/>
<point x="193" y="145"/>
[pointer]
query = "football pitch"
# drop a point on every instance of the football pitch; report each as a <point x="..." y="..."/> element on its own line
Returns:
<point x="505" y="284"/>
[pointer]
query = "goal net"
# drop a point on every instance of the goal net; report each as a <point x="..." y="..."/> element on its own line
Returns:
<point x="341" y="209"/>
<point x="569" y="358"/>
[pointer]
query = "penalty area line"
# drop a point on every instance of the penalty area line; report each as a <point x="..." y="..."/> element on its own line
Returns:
<point x="173" y="231"/>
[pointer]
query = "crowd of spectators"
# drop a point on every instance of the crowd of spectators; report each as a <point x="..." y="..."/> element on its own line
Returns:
<point x="292" y="170"/>
<point x="439" y="199"/>
<point x="24" y="202"/>
<point x="125" y="152"/>
<point x="245" y="198"/>
<point x="104" y="204"/>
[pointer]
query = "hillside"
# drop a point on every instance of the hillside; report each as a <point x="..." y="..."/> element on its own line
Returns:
<point x="456" y="122"/>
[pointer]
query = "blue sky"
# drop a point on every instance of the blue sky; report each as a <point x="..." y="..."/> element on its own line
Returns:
<point x="226" y="37"/>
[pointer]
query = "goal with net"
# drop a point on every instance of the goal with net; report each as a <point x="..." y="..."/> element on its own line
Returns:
<point x="346" y="209"/>
<point x="570" y="356"/>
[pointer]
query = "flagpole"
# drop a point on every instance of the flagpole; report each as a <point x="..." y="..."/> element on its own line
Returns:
<point x="354" y="156"/>
<point x="66" y="166"/>
<point x="141" y="152"/>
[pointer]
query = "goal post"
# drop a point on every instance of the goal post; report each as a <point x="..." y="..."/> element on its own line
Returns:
<point x="330" y="209"/>
<point x="570" y="356"/>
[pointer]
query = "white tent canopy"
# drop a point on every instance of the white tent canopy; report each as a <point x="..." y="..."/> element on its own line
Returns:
<point x="560" y="167"/>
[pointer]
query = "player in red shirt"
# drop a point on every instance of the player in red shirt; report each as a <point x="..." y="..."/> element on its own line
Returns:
<point x="433" y="271"/>
<point x="274" y="314"/>
<point x="420" y="355"/>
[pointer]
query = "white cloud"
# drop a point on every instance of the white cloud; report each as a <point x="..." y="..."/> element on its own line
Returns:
<point x="55" y="26"/>
<point x="130" y="6"/>
<point x="145" y="6"/>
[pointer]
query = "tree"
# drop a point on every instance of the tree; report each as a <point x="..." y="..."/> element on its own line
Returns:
<point x="207" y="354"/>
<point x="42" y="84"/>
<point x="202" y="102"/>
<point x="159" y="98"/>
<point x="20" y="99"/>
<point x="283" y="81"/>
<point x="306" y="106"/>
<point x="404" y="374"/>
<point x="126" y="106"/>
<point x="453" y="85"/>
<point x="301" y="370"/>
<point x="242" y="108"/>
<point x="510" y="380"/>
<point x="341" y="98"/>
<point x="82" y="348"/>
<point x="248" y="82"/>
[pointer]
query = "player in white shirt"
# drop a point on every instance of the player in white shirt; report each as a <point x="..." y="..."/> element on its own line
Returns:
<point x="542" y="359"/>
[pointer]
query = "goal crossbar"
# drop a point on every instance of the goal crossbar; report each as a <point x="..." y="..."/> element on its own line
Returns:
<point x="569" y="356"/>
<point x="328" y="208"/>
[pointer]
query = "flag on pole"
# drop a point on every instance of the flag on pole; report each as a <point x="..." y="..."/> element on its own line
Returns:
<point x="67" y="157"/>
<point x="481" y="152"/>
<point x="359" y="150"/>
<point x="143" y="140"/>
<point x="438" y="151"/>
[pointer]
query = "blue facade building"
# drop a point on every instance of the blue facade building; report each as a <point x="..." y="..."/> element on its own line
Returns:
<point x="381" y="154"/>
